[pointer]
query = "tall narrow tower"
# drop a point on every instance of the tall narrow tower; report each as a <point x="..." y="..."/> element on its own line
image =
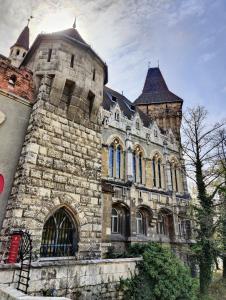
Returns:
<point x="160" y="103"/>
<point x="20" y="48"/>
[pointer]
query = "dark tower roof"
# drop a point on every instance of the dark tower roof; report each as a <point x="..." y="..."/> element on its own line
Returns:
<point x="23" y="39"/>
<point x="155" y="89"/>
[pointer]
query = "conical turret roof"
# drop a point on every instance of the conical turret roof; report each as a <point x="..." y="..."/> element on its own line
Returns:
<point x="155" y="89"/>
<point x="23" y="39"/>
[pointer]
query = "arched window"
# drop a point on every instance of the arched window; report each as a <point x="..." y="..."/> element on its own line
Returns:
<point x="154" y="172"/>
<point x="134" y="167"/>
<point x="140" y="168"/>
<point x="111" y="161"/>
<point x="176" y="183"/>
<point x="161" y="226"/>
<point x="141" y="222"/>
<point x="114" y="221"/>
<point x="59" y="237"/>
<point x="118" y="161"/>
<point x="17" y="52"/>
<point x="120" y="220"/>
<point x="159" y="173"/>
<point x="171" y="175"/>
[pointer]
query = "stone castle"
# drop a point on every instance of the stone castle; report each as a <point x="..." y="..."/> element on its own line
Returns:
<point x="85" y="169"/>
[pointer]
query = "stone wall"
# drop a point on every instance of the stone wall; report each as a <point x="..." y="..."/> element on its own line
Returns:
<point x="80" y="280"/>
<point x="60" y="166"/>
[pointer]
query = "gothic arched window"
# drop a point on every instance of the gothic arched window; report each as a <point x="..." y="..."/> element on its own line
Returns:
<point x="161" y="226"/>
<point x="175" y="175"/>
<point x="171" y="175"/>
<point x="134" y="167"/>
<point x="159" y="173"/>
<point x="154" y="172"/>
<point x="141" y="222"/>
<point x="140" y="168"/>
<point x="111" y="161"/>
<point x="59" y="237"/>
<point x="114" y="221"/>
<point x="118" y="161"/>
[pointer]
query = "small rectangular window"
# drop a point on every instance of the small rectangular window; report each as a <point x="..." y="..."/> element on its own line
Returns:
<point x="49" y="55"/>
<point x="94" y="75"/>
<point x="72" y="61"/>
<point x="67" y="92"/>
<point x="91" y="98"/>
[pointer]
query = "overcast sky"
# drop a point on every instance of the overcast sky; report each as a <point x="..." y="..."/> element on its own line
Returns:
<point x="188" y="37"/>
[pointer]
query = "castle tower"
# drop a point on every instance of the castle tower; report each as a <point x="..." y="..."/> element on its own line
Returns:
<point x="160" y="103"/>
<point x="20" y="48"/>
<point x="58" y="177"/>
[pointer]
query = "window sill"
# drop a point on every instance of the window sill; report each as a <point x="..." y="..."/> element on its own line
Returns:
<point x="43" y="259"/>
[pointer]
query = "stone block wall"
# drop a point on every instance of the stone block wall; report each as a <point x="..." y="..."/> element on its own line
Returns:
<point x="80" y="280"/>
<point x="60" y="165"/>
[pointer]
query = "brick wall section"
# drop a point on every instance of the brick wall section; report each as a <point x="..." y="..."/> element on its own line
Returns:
<point x="60" y="165"/>
<point x="24" y="84"/>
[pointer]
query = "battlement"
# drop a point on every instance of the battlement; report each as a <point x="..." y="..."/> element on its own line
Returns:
<point x="16" y="81"/>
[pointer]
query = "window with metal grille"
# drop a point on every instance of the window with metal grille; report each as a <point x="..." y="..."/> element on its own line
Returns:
<point x="59" y="237"/>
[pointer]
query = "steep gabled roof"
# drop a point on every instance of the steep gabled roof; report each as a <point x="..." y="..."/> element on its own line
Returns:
<point x="23" y="39"/>
<point x="127" y="107"/>
<point x="155" y="90"/>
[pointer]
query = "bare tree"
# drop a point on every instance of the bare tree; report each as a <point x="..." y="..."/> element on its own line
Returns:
<point x="201" y="152"/>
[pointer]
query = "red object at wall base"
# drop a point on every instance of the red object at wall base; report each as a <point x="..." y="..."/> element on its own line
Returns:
<point x="14" y="248"/>
<point x="1" y="183"/>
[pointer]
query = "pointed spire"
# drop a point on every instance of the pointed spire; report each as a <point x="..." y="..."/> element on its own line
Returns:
<point x="23" y="39"/>
<point x="74" y="24"/>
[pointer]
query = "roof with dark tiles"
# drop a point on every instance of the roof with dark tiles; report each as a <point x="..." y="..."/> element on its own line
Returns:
<point x="126" y="106"/>
<point x="23" y="39"/>
<point x="155" y="90"/>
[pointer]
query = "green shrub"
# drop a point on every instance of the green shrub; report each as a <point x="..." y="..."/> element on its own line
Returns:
<point x="162" y="276"/>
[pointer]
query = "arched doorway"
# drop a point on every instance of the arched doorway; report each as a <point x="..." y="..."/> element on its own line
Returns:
<point x="60" y="235"/>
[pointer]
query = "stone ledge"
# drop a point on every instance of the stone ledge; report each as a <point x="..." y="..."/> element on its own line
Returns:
<point x="9" y="293"/>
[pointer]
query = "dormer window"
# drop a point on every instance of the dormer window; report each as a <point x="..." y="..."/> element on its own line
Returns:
<point x="117" y="116"/>
<point x="113" y="98"/>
